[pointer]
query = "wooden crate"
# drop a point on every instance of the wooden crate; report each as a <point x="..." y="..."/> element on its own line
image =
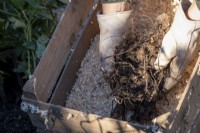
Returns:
<point x="44" y="94"/>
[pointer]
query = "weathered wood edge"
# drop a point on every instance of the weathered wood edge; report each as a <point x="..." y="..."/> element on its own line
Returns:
<point x="189" y="106"/>
<point x="69" y="74"/>
<point x="58" y="49"/>
<point x="62" y="120"/>
<point x="167" y="119"/>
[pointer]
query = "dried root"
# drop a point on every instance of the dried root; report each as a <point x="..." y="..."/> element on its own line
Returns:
<point x="135" y="83"/>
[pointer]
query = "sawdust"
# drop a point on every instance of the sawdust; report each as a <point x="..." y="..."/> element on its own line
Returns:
<point x="91" y="93"/>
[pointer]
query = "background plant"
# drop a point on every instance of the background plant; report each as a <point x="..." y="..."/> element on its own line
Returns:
<point x="25" y="29"/>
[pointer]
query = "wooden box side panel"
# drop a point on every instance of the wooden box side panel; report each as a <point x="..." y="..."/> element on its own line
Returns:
<point x="187" y="118"/>
<point x="56" y="53"/>
<point x="64" y="120"/>
<point x="69" y="73"/>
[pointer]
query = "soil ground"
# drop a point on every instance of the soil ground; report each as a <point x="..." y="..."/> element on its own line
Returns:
<point x="12" y="119"/>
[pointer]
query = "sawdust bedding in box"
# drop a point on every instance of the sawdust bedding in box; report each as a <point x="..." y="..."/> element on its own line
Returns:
<point x="91" y="93"/>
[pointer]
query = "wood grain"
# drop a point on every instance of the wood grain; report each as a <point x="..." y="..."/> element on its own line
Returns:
<point x="64" y="120"/>
<point x="69" y="74"/>
<point x="188" y="109"/>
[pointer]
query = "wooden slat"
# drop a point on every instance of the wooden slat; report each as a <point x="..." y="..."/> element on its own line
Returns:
<point x="29" y="89"/>
<point x="188" y="108"/>
<point x="64" y="120"/>
<point x="55" y="56"/>
<point x="163" y="120"/>
<point x="38" y="122"/>
<point x="69" y="74"/>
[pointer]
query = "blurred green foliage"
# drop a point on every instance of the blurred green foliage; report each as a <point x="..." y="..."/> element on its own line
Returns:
<point x="25" y="29"/>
